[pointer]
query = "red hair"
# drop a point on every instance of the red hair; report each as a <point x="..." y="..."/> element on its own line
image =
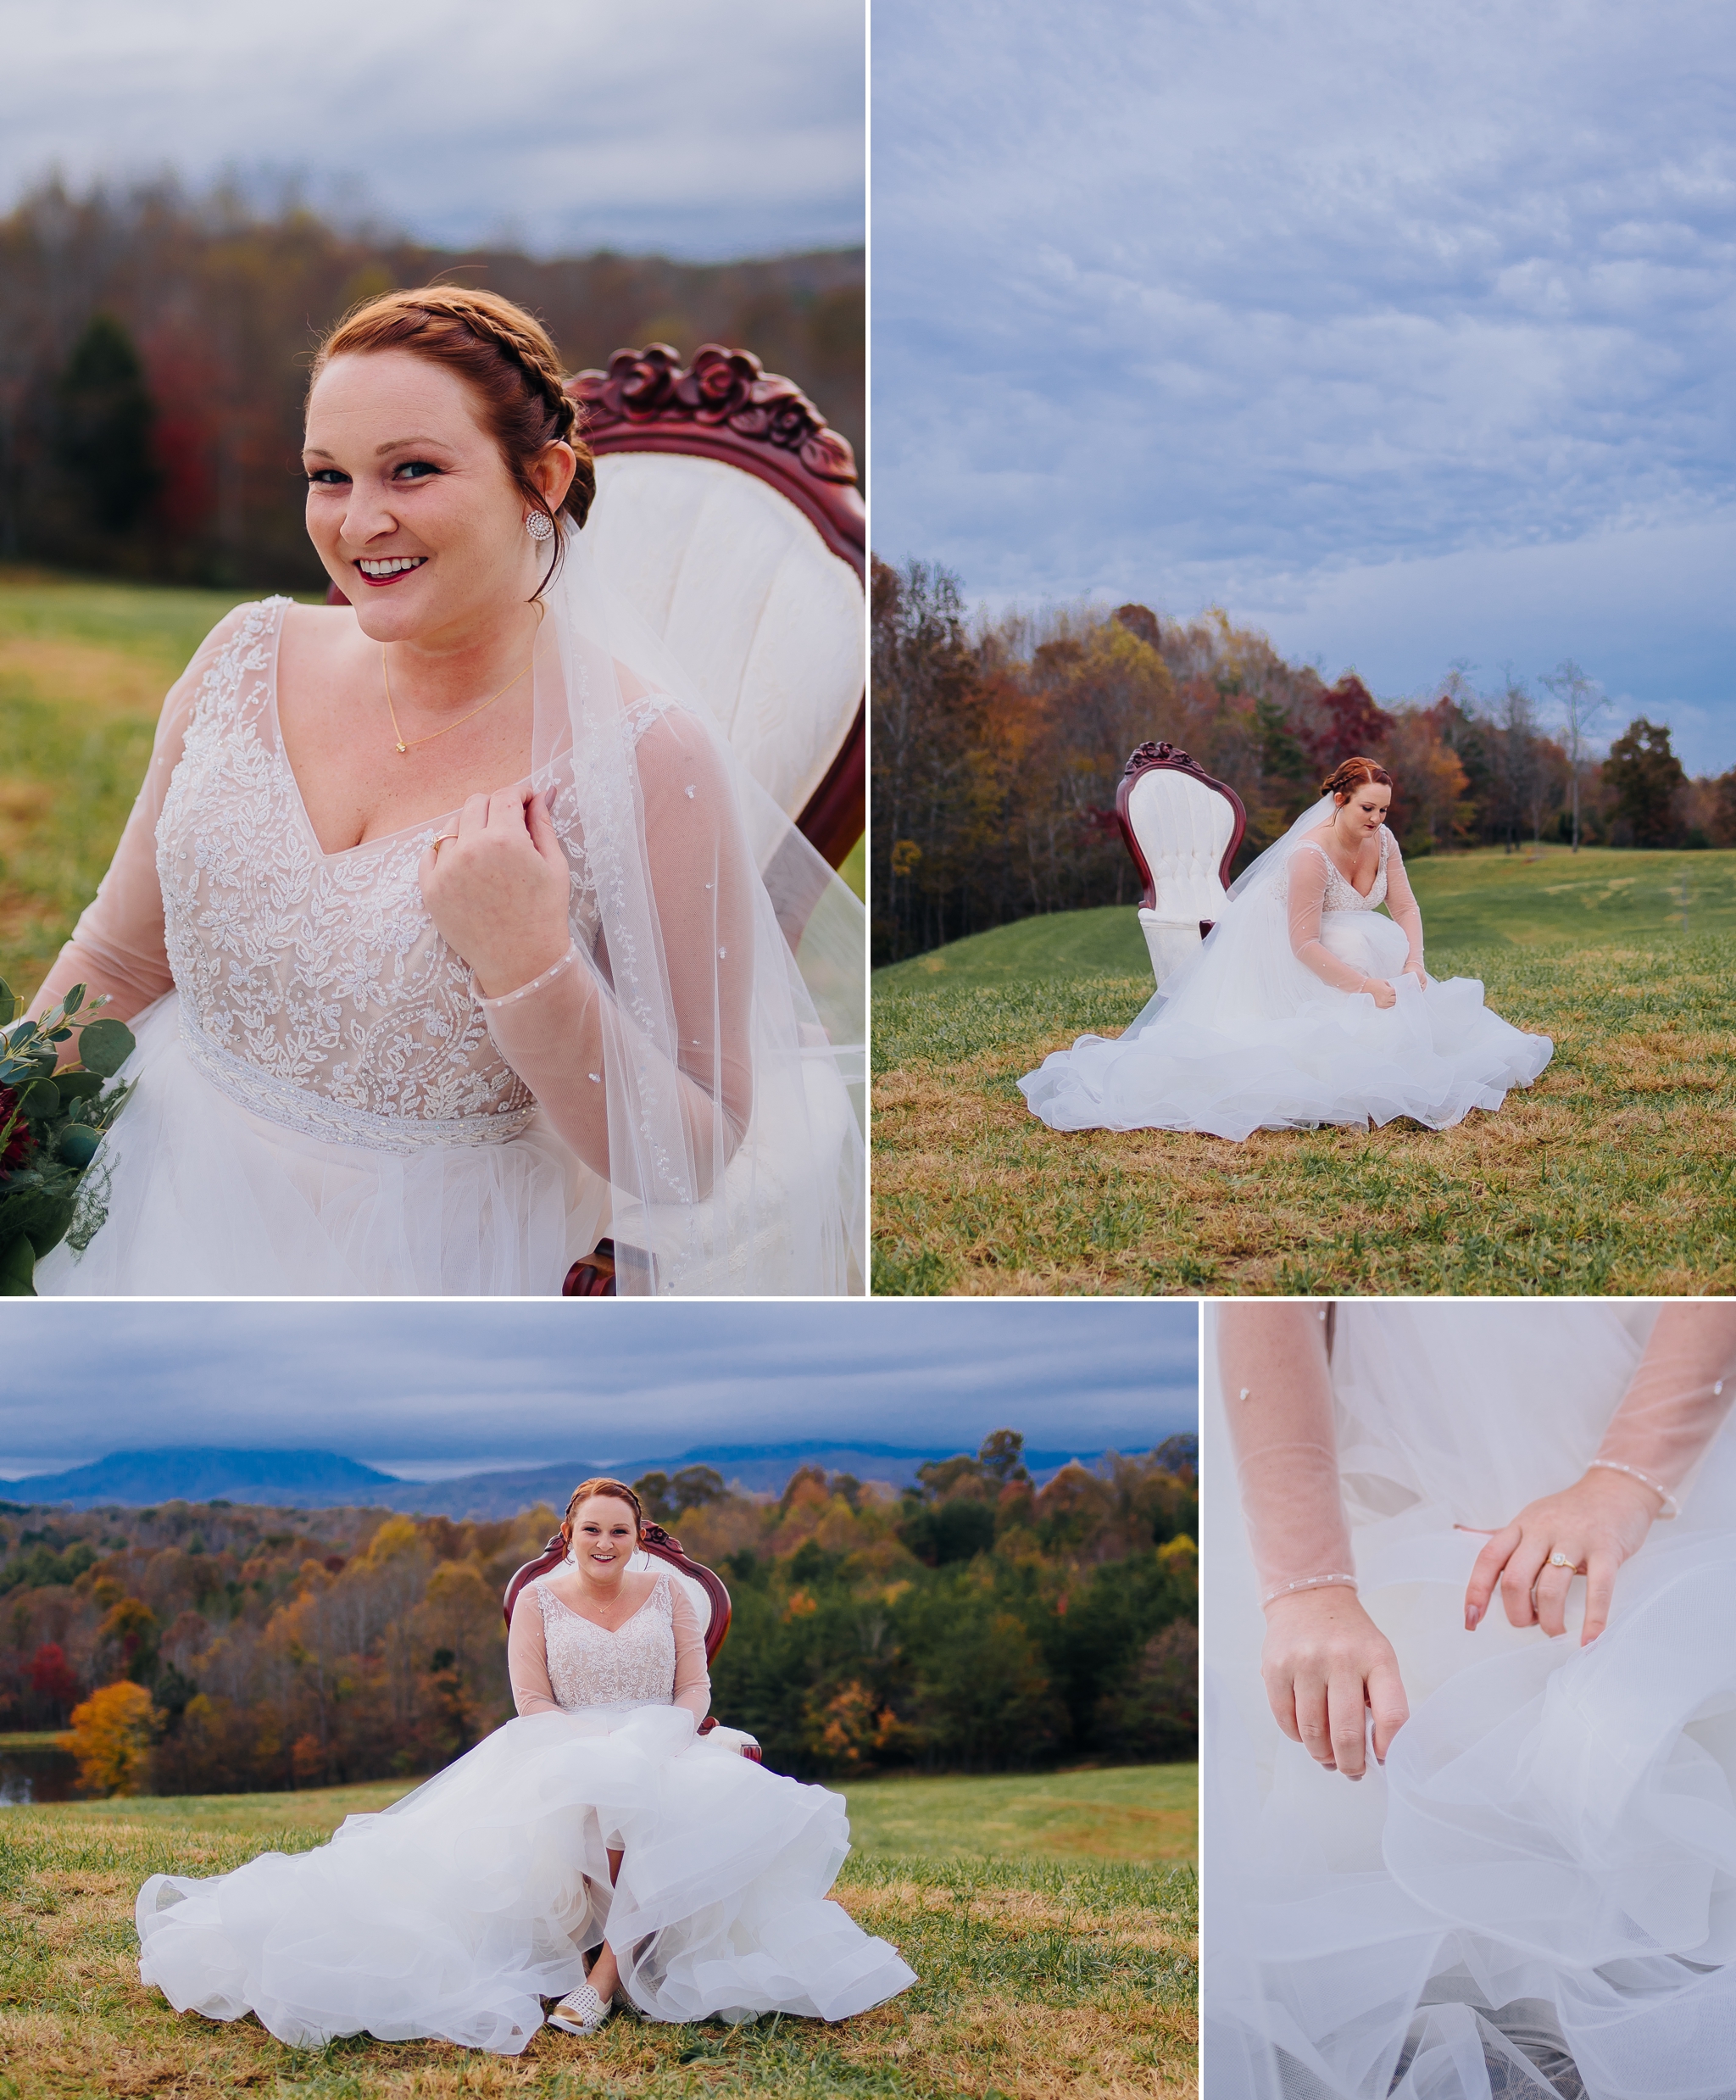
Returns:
<point x="1352" y="774"/>
<point x="617" y="1490"/>
<point x="511" y="362"/>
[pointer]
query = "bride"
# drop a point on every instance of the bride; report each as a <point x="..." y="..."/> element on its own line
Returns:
<point x="441" y="919"/>
<point x="1529" y="1888"/>
<point x="1303" y="1005"/>
<point x="597" y="1823"/>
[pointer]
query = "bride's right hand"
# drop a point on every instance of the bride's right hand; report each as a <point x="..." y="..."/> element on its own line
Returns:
<point x="1380" y="992"/>
<point x="1327" y="1666"/>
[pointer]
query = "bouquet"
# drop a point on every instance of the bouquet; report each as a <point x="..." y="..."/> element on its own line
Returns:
<point x="51" y="1122"/>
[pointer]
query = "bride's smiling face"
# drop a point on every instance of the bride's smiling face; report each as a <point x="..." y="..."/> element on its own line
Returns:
<point x="411" y="505"/>
<point x="603" y="1538"/>
<point x="1363" y="813"/>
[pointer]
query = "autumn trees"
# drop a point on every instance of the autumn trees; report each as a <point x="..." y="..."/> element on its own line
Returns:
<point x="997" y="744"/>
<point x="154" y="347"/>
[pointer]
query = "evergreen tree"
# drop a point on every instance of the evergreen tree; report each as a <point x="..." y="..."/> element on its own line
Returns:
<point x="104" y="417"/>
<point x="1646" y="780"/>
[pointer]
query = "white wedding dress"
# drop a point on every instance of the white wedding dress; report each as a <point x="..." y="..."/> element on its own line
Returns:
<point x="1537" y="1895"/>
<point x="1266" y="1027"/>
<point x="325" y="1105"/>
<point x="455" y="1911"/>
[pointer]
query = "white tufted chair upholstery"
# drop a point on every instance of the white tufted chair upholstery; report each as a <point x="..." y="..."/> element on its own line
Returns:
<point x="751" y="601"/>
<point x="1182" y="827"/>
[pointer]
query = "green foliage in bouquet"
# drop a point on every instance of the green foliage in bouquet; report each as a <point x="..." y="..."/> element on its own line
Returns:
<point x="51" y="1121"/>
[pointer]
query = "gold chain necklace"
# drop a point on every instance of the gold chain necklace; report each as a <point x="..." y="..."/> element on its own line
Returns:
<point x="403" y="748"/>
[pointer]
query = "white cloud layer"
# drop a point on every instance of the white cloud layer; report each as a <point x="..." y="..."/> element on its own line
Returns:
<point x="1405" y="330"/>
<point x="531" y="1381"/>
<point x="685" y="128"/>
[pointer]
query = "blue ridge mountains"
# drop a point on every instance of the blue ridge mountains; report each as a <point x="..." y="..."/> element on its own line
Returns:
<point x="301" y="1479"/>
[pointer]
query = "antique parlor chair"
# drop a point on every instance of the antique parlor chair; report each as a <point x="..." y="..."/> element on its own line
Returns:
<point x="1182" y="829"/>
<point x="704" y="1590"/>
<point x="727" y="510"/>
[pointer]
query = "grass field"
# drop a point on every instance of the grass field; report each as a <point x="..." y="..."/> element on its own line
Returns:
<point x="1051" y="1922"/>
<point x="84" y="667"/>
<point x="1616" y="1172"/>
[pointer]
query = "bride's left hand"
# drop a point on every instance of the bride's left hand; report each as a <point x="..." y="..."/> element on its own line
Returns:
<point x="1595" y="1525"/>
<point x="498" y="889"/>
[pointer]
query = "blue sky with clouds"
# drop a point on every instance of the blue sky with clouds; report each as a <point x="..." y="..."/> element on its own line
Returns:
<point x="536" y="1381"/>
<point x="1404" y="333"/>
<point x="687" y="128"/>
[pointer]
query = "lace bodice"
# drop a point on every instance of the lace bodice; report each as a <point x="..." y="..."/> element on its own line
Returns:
<point x="314" y="988"/>
<point x="1342" y="895"/>
<point x="588" y="1666"/>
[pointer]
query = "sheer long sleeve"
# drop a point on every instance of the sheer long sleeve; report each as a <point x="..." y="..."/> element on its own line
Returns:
<point x="117" y="946"/>
<point x="693" y="1682"/>
<point x="1406" y="914"/>
<point x="1678" y="1400"/>
<point x="1307" y="875"/>
<point x="528" y="1655"/>
<point x="1279" y="1399"/>
<point x="557" y="1032"/>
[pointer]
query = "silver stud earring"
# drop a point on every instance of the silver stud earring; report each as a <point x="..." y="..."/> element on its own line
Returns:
<point x="539" y="525"/>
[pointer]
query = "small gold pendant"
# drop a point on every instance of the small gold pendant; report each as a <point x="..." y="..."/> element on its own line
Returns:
<point x="403" y="750"/>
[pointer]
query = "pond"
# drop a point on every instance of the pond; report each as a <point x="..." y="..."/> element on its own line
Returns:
<point x="34" y="1769"/>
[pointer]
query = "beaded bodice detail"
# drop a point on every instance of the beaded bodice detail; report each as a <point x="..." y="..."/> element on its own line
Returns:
<point x="588" y="1666"/>
<point x="1343" y="895"/>
<point x="314" y="988"/>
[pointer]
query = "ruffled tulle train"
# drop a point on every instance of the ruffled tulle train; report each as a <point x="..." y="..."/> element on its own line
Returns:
<point x="456" y="1912"/>
<point x="204" y="1196"/>
<point x="1337" y="1058"/>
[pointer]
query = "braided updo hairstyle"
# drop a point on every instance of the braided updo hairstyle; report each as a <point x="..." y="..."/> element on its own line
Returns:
<point x="617" y="1489"/>
<point x="508" y="358"/>
<point x="1354" y="773"/>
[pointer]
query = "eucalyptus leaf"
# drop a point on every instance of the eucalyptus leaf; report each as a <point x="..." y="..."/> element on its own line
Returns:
<point x="40" y="1100"/>
<point x="80" y="1086"/>
<point x="8" y="1000"/>
<point x="73" y="1000"/>
<point x="77" y="1145"/>
<point x="17" y="1268"/>
<point x="105" y="1046"/>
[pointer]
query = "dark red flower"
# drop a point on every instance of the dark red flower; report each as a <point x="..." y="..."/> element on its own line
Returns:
<point x="21" y="1141"/>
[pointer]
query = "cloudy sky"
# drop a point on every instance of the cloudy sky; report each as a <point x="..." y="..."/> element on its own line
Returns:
<point x="1404" y="332"/>
<point x="687" y="128"/>
<point x="536" y="1382"/>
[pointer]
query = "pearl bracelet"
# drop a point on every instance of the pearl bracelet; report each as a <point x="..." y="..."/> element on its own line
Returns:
<point x="1308" y="1582"/>
<point x="535" y="984"/>
<point x="1672" y="1507"/>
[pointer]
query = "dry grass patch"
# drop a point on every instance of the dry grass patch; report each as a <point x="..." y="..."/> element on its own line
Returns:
<point x="1038" y="1979"/>
<point x="1616" y="1172"/>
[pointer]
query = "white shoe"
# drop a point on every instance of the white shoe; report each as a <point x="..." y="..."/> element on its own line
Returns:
<point x="580" y="2012"/>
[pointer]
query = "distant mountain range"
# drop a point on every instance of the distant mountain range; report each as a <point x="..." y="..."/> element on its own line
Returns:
<point x="323" y="1480"/>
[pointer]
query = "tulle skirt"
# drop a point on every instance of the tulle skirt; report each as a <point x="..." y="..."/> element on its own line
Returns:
<point x="203" y="1196"/>
<point x="1434" y="1055"/>
<point x="457" y="1910"/>
<point x="1537" y="1895"/>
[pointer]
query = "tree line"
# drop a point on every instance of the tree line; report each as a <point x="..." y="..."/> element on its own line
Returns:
<point x="997" y="746"/>
<point x="154" y="347"/>
<point x="972" y="1622"/>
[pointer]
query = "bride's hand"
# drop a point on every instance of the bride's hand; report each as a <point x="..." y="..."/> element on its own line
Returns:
<point x="1380" y="992"/>
<point x="1327" y="1667"/>
<point x="498" y="889"/>
<point x="1595" y="1525"/>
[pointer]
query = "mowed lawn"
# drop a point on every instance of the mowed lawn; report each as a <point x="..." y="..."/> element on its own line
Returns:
<point x="1052" y="1922"/>
<point x="1616" y="1172"/>
<point x="84" y="668"/>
